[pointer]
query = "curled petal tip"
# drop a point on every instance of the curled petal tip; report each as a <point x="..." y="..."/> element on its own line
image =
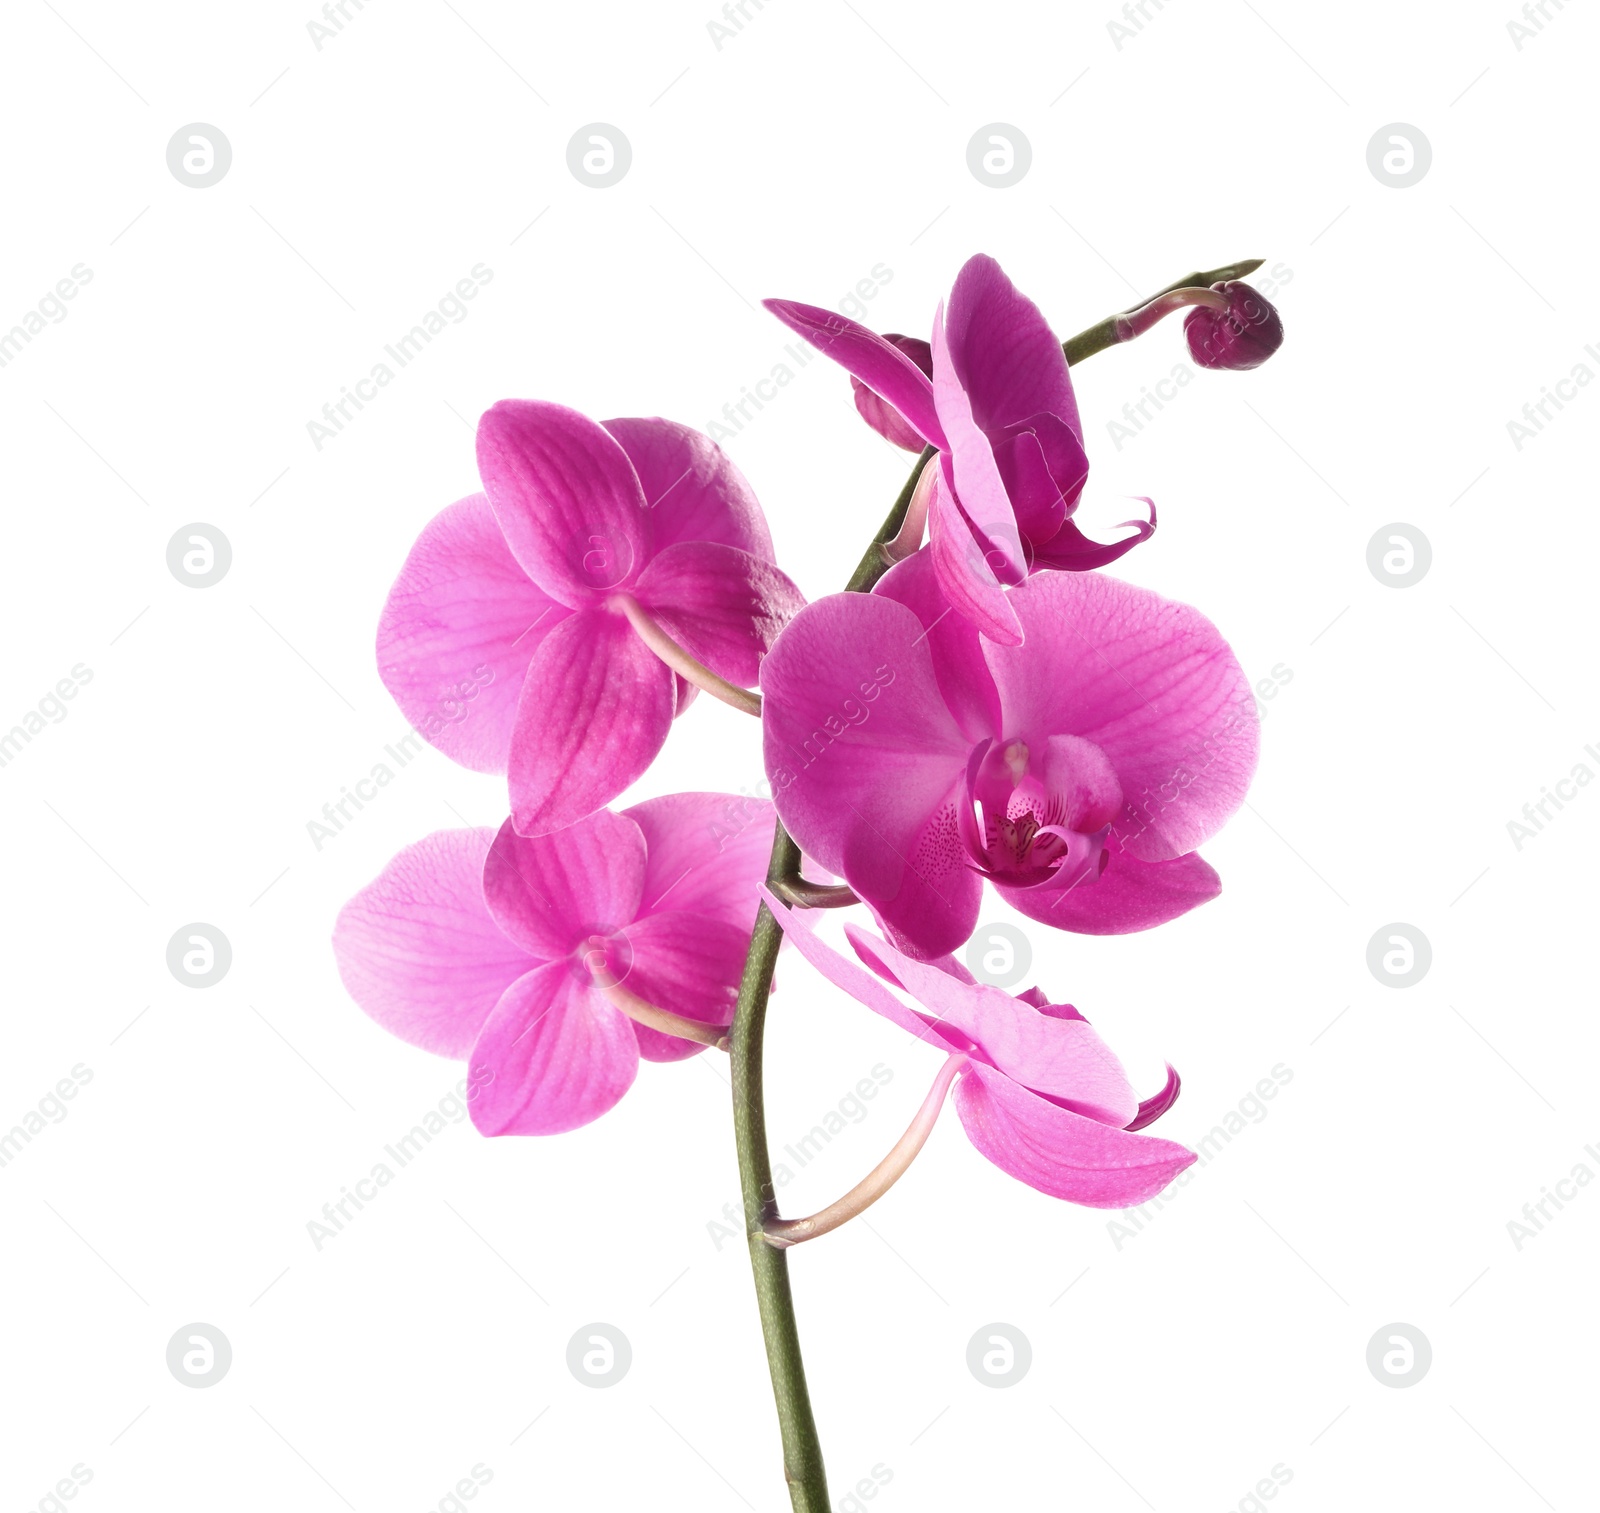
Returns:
<point x="1151" y="1109"/>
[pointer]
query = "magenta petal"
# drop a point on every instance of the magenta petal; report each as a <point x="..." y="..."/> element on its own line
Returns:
<point x="1152" y="683"/>
<point x="566" y="497"/>
<point x="966" y="577"/>
<point x="882" y="416"/>
<point x="971" y="471"/>
<point x="554" y="1055"/>
<point x="692" y="492"/>
<point x="595" y="709"/>
<point x="1152" y="1108"/>
<point x="1059" y="1056"/>
<point x="878" y="363"/>
<point x="954" y="641"/>
<point x="1062" y="1154"/>
<point x="722" y="605"/>
<point x="457" y="633"/>
<point x="707" y="854"/>
<point x="551" y="893"/>
<point x="1069" y="550"/>
<point x="417" y="949"/>
<point x="1129" y="895"/>
<point x="865" y="759"/>
<point x="1007" y="358"/>
<point x="687" y="965"/>
<point x="861" y="985"/>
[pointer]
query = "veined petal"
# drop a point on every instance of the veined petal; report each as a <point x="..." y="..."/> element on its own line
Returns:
<point x="706" y="854"/>
<point x="722" y="605"/>
<point x="878" y="363"/>
<point x="418" y="950"/>
<point x="1069" y="550"/>
<point x="596" y="707"/>
<point x="687" y="965"/>
<point x="1005" y="354"/>
<point x="456" y="635"/>
<point x="566" y="497"/>
<point x="1129" y="895"/>
<point x="971" y="471"/>
<point x="1062" y="1154"/>
<point x="966" y="576"/>
<point x="1149" y="681"/>
<point x="1063" y="1057"/>
<point x="864" y="758"/>
<point x="550" y="893"/>
<point x="553" y="1055"/>
<point x="882" y="416"/>
<point x="692" y="491"/>
<point x="861" y="985"/>
<point x="954" y="641"/>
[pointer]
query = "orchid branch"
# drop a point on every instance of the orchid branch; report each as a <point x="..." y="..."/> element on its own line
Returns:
<point x="802" y="1449"/>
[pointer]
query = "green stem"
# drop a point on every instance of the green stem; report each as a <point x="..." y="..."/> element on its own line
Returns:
<point x="802" y="1449"/>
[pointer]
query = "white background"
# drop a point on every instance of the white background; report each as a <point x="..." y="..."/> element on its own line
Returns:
<point x="1230" y="1335"/>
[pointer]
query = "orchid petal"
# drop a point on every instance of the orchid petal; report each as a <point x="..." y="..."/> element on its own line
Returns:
<point x="860" y="984"/>
<point x="1058" y="1152"/>
<point x="882" y="416"/>
<point x="566" y="497"/>
<point x="707" y="854"/>
<point x="1005" y="355"/>
<point x="595" y="709"/>
<point x="971" y="471"/>
<point x="1152" y="683"/>
<point x="685" y="964"/>
<point x="865" y="760"/>
<point x="418" y="950"/>
<point x="1128" y="895"/>
<point x="456" y="635"/>
<point x="879" y="364"/>
<point x="1062" y="1057"/>
<point x="691" y="489"/>
<point x="553" y="1055"/>
<point x="549" y="894"/>
<point x="954" y="641"/>
<point x="966" y="576"/>
<point x="724" y="606"/>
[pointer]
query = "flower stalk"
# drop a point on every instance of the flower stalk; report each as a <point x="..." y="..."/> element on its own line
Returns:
<point x="783" y="1233"/>
<point x="691" y="670"/>
<point x="802" y="1448"/>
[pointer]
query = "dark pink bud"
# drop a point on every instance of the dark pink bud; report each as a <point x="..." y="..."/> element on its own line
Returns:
<point x="1244" y="336"/>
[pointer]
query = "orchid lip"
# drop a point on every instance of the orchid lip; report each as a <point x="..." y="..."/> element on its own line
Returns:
<point x="1025" y="841"/>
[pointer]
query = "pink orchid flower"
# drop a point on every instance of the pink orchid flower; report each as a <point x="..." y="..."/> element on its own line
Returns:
<point x="551" y="964"/>
<point x="993" y="395"/>
<point x="1078" y="772"/>
<point x="1036" y="1089"/>
<point x="547" y="627"/>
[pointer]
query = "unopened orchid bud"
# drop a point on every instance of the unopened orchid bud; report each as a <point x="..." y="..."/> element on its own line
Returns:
<point x="1243" y="336"/>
